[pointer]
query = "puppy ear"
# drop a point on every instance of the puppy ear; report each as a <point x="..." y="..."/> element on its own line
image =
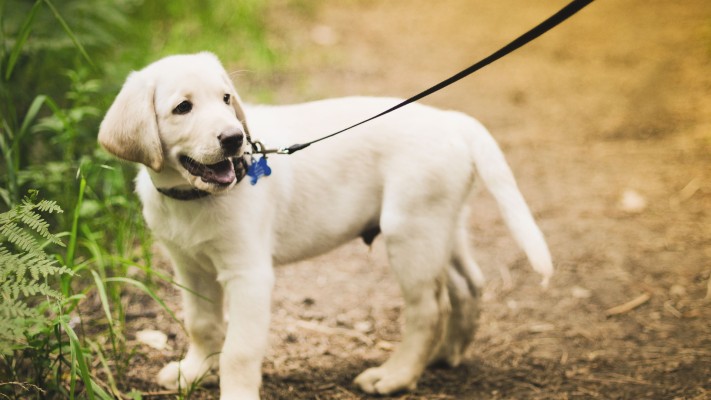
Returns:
<point x="239" y="110"/>
<point x="238" y="106"/>
<point x="129" y="129"/>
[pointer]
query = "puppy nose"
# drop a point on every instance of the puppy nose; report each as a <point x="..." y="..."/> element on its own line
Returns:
<point x="230" y="142"/>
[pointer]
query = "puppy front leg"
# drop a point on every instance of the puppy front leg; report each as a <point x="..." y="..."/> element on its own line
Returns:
<point x="249" y="306"/>
<point x="204" y="322"/>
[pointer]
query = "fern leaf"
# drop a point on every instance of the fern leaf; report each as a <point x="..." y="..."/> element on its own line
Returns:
<point x="49" y="206"/>
<point x="12" y="264"/>
<point x="7" y="260"/>
<point x="35" y="222"/>
<point x="15" y="234"/>
<point x="24" y="272"/>
<point x="39" y="265"/>
<point x="15" y="309"/>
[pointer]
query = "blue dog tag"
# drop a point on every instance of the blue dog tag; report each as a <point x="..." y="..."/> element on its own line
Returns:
<point x="258" y="169"/>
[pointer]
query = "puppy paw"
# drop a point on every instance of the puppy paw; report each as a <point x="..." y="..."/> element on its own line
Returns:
<point x="382" y="380"/>
<point x="170" y="377"/>
<point x="181" y="375"/>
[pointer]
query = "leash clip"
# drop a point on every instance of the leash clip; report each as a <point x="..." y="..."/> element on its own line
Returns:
<point x="260" y="148"/>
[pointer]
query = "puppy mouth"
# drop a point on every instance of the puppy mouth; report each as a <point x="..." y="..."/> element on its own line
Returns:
<point x="221" y="173"/>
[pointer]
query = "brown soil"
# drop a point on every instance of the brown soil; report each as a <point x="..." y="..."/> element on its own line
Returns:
<point x="614" y="101"/>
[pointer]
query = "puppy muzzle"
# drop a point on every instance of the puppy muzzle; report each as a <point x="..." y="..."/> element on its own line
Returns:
<point x="221" y="173"/>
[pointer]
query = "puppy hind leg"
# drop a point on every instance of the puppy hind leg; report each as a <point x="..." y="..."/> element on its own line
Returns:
<point x="464" y="288"/>
<point x="464" y="263"/>
<point x="418" y="257"/>
<point x="462" y="322"/>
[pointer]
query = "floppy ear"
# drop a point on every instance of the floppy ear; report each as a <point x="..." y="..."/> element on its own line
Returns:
<point x="239" y="110"/>
<point x="129" y="129"/>
<point x="238" y="107"/>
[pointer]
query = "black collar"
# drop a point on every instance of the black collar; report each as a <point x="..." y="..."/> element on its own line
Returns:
<point x="183" y="194"/>
<point x="240" y="165"/>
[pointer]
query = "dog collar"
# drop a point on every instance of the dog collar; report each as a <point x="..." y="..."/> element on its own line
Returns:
<point x="183" y="194"/>
<point x="240" y="166"/>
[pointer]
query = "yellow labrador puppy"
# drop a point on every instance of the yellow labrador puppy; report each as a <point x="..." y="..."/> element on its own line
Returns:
<point x="407" y="176"/>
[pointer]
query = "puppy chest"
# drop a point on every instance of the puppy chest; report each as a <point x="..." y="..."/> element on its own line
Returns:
<point x="185" y="228"/>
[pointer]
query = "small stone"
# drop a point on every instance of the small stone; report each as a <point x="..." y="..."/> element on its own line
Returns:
<point x="580" y="293"/>
<point x="324" y="35"/>
<point x="383" y="345"/>
<point x="677" y="291"/>
<point x="363" y="326"/>
<point x="541" y="328"/>
<point x="632" y="202"/>
<point x="152" y="338"/>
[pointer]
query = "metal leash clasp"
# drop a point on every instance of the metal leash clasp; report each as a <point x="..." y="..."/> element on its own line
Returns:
<point x="259" y="148"/>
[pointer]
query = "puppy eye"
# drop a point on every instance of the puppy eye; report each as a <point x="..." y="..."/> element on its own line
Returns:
<point x="226" y="99"/>
<point x="183" y="108"/>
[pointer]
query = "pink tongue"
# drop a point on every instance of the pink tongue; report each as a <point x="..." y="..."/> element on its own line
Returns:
<point x="222" y="173"/>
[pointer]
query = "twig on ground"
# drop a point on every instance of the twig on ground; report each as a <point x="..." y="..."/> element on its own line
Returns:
<point x="327" y="330"/>
<point x="671" y="310"/>
<point x="160" y="393"/>
<point x="629" y="306"/>
<point x="589" y="393"/>
<point x="614" y="378"/>
<point x="23" y="385"/>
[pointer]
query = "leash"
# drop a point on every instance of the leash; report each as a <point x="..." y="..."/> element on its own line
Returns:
<point x="565" y="13"/>
<point x="256" y="168"/>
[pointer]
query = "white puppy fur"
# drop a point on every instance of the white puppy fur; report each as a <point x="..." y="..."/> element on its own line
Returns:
<point x="407" y="175"/>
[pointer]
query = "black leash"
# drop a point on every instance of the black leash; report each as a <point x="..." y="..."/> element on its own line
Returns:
<point x="257" y="168"/>
<point x="565" y="13"/>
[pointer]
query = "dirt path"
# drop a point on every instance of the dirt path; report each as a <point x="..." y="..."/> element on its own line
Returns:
<point x="614" y="104"/>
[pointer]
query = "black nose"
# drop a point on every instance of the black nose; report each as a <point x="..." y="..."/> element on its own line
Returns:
<point x="230" y="142"/>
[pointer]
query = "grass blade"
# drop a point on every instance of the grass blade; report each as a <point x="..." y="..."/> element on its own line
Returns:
<point x="73" y="234"/>
<point x="69" y="32"/>
<point x="102" y="296"/>
<point x="30" y="116"/>
<point x="101" y="288"/>
<point x="32" y="112"/>
<point x="148" y="291"/>
<point x="9" y="195"/>
<point x="107" y="370"/>
<point x="164" y="277"/>
<point x="78" y="360"/>
<point x="99" y="391"/>
<point x="22" y="38"/>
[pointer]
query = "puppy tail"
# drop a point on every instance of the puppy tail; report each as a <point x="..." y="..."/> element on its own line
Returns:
<point x="499" y="180"/>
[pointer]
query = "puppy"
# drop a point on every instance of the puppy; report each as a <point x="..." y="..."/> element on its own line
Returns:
<point x="407" y="175"/>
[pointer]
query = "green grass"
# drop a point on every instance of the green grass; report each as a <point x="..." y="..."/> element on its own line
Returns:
<point x="233" y="30"/>
<point x="61" y="64"/>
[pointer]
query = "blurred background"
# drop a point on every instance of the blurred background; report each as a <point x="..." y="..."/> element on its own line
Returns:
<point x="606" y="122"/>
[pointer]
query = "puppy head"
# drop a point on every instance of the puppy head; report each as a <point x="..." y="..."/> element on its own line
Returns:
<point x="181" y="114"/>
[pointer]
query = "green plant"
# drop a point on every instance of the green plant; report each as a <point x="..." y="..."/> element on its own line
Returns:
<point x="45" y="351"/>
<point x="60" y="66"/>
<point x="35" y="332"/>
<point x="40" y="346"/>
<point x="27" y="273"/>
<point x="44" y="346"/>
<point x="234" y="30"/>
<point x="48" y="87"/>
